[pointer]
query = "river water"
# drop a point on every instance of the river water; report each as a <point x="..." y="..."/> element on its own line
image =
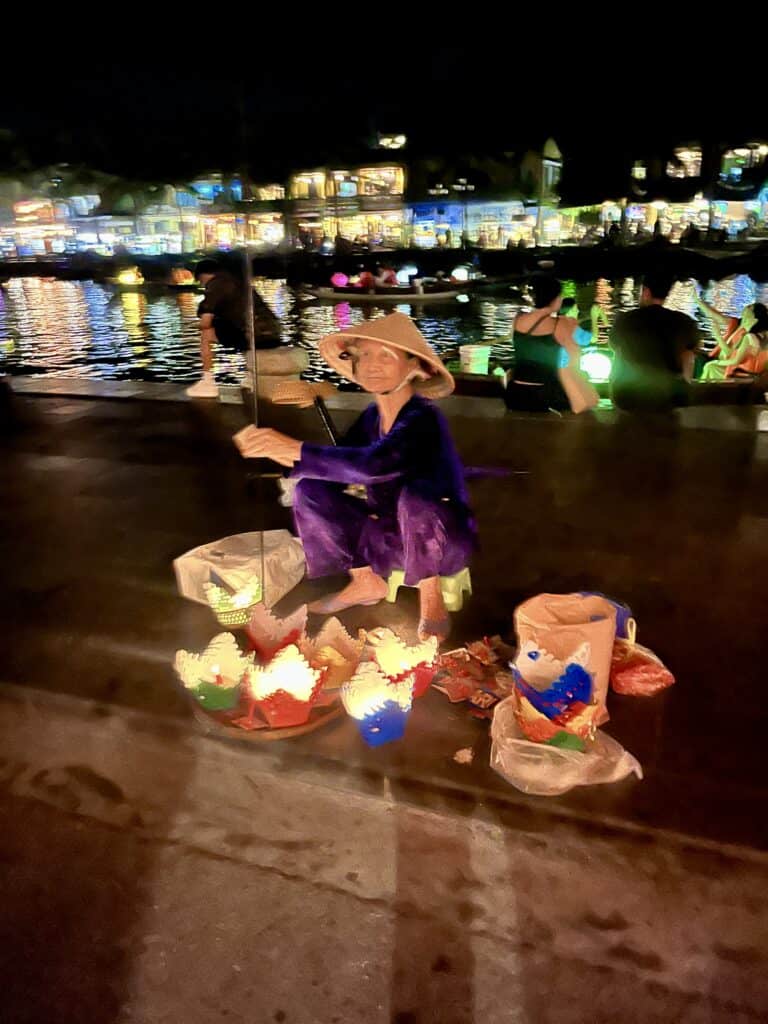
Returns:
<point x="87" y="330"/>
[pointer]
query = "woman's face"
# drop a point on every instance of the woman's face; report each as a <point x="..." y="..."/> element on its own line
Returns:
<point x="748" y="318"/>
<point x="379" y="368"/>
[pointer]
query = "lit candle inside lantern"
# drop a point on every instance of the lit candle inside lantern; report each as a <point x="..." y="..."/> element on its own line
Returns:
<point x="288" y="671"/>
<point x="286" y="688"/>
<point x="395" y="658"/>
<point x="214" y="676"/>
<point x="233" y="609"/>
<point x="379" y="706"/>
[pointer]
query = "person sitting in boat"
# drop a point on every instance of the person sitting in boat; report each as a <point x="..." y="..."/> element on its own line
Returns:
<point x="385" y="276"/>
<point x="415" y="515"/>
<point x="366" y="280"/>
<point x="742" y="346"/>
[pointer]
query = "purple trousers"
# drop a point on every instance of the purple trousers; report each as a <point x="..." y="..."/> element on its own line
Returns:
<point x="340" y="532"/>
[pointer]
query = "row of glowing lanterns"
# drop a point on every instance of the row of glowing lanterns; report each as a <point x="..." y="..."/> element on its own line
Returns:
<point x="460" y="275"/>
<point x="133" y="276"/>
<point x="285" y="674"/>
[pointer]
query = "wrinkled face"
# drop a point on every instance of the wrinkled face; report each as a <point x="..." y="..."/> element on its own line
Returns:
<point x="379" y="368"/>
<point x="748" y="318"/>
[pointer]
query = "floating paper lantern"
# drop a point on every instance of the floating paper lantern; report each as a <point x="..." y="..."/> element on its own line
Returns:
<point x="379" y="707"/>
<point x="406" y="272"/>
<point x="214" y="676"/>
<point x="396" y="659"/>
<point x="180" y="275"/>
<point x="233" y="610"/>
<point x="339" y="280"/>
<point x="268" y="634"/>
<point x="130" y="276"/>
<point x="286" y="688"/>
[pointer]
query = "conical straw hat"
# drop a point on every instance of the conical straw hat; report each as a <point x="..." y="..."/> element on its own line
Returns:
<point x="398" y="331"/>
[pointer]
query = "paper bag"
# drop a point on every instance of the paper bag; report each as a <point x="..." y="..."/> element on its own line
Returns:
<point x="570" y="628"/>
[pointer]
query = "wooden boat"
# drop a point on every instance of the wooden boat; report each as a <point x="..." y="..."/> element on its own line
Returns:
<point x="385" y="295"/>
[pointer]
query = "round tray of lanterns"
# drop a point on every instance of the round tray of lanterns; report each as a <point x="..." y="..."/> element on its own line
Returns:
<point x="280" y="694"/>
<point x="285" y="683"/>
<point x="223" y="724"/>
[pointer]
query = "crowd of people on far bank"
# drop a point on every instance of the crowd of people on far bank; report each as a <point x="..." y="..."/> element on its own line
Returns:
<point x="657" y="351"/>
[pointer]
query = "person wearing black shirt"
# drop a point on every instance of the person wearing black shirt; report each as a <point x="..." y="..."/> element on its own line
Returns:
<point x="223" y="318"/>
<point x="655" y="351"/>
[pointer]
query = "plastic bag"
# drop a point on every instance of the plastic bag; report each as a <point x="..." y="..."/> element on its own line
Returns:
<point x="542" y="770"/>
<point x="235" y="560"/>
<point x="638" y="672"/>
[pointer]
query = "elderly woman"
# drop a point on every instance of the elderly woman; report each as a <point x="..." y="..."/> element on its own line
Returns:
<point x="415" y="515"/>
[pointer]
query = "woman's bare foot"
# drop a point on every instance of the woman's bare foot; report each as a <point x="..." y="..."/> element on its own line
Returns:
<point x="365" y="588"/>
<point x="433" y="618"/>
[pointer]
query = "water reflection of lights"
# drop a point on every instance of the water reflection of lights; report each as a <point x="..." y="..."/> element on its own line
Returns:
<point x="81" y="329"/>
<point x="134" y="306"/>
<point x="732" y="294"/>
<point x="342" y="315"/>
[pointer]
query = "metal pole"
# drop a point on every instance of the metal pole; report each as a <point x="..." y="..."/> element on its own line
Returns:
<point x="251" y="333"/>
<point x="325" y="417"/>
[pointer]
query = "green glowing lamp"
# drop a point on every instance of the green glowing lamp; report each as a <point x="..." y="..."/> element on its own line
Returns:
<point x="597" y="364"/>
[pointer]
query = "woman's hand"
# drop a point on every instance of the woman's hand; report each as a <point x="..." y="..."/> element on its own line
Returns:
<point x="696" y="294"/>
<point x="265" y="443"/>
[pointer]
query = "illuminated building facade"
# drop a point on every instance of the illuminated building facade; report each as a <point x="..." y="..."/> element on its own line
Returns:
<point x="360" y="204"/>
<point x="393" y="200"/>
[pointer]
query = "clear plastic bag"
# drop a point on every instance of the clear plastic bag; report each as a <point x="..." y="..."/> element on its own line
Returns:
<point x="543" y="770"/>
<point x="237" y="559"/>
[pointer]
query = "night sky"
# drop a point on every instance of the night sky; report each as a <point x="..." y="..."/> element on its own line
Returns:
<point x="310" y="100"/>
